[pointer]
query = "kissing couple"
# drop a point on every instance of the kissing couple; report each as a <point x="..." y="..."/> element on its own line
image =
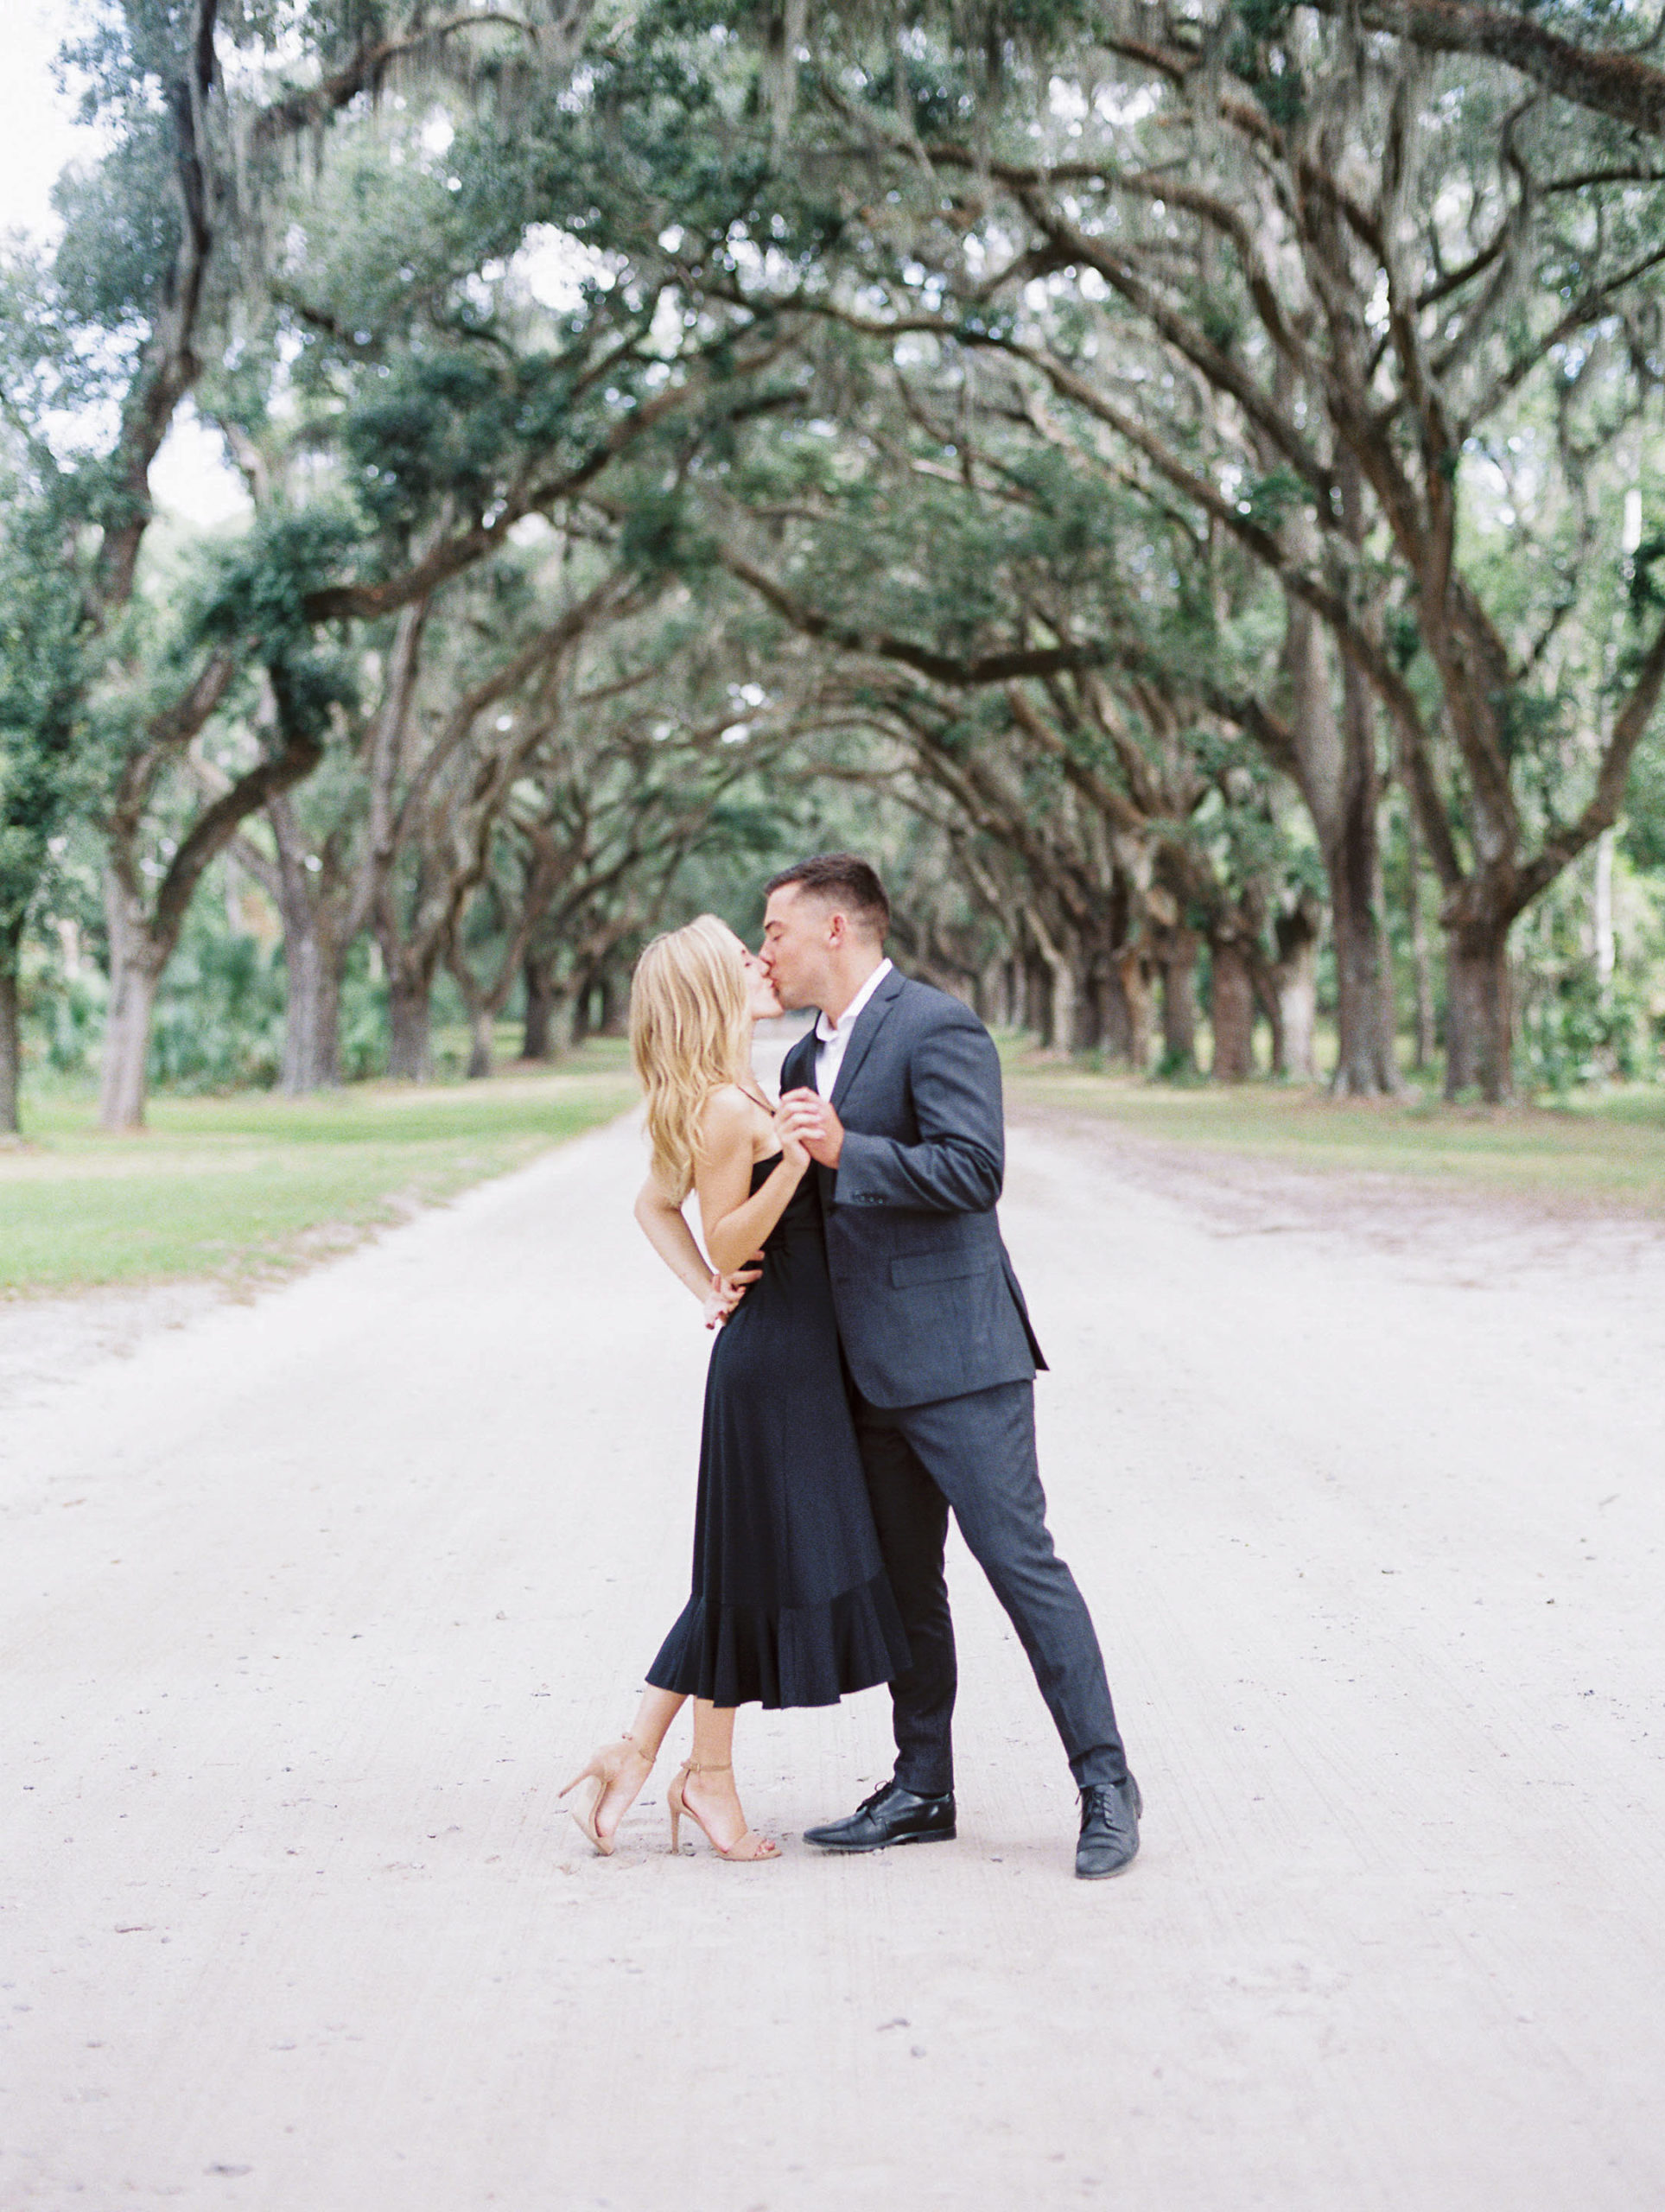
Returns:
<point x="874" y="1368"/>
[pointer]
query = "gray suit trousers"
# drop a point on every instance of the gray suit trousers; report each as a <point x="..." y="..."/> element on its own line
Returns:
<point x="976" y="1455"/>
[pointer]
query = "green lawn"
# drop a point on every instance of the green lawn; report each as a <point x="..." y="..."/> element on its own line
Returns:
<point x="251" y="1186"/>
<point x="1606" y="1150"/>
<point x="246" y="1188"/>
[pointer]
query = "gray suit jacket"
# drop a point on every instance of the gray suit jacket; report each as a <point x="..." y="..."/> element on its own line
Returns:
<point x="928" y="1305"/>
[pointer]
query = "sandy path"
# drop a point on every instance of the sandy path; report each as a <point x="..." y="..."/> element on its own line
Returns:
<point x="308" y="1606"/>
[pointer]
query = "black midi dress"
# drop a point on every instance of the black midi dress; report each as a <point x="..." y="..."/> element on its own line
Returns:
<point x="790" y="1605"/>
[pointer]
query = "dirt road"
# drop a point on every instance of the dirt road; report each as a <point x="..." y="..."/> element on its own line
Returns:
<point x="307" y="1608"/>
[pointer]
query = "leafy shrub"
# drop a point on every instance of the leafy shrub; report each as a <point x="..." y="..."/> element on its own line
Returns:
<point x="219" y="1013"/>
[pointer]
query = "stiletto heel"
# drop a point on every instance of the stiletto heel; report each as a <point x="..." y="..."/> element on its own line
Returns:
<point x="602" y="1771"/>
<point x="735" y="1854"/>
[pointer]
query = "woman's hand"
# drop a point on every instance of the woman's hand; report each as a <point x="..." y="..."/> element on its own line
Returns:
<point x="793" y="1150"/>
<point x="817" y="1124"/>
<point x="726" y="1291"/>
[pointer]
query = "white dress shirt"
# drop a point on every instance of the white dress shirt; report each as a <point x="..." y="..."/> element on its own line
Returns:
<point x="832" y="1037"/>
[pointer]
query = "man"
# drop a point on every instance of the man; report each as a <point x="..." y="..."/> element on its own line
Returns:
<point x="896" y="1094"/>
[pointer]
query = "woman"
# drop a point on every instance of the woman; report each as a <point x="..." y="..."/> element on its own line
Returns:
<point x="790" y="1603"/>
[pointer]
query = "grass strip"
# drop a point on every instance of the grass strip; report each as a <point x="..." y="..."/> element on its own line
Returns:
<point x="1603" y="1151"/>
<point x="251" y="1186"/>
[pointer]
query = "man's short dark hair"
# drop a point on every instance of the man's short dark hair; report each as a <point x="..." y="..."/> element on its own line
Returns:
<point x="842" y="879"/>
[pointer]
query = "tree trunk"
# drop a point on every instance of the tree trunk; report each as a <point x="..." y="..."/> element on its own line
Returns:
<point x="1421" y="965"/>
<point x="1061" y="993"/>
<point x="410" y="1020"/>
<point x="11" y="1043"/>
<point x="314" y="957"/>
<point x="1232" y="1008"/>
<point x="1088" y="1035"/>
<point x="540" y="1005"/>
<point x="136" y="960"/>
<point x="563" y="1024"/>
<point x="311" y="1016"/>
<point x="125" y="1075"/>
<point x="1601" y="916"/>
<point x="1178" y="957"/>
<point x="1296" y="984"/>
<point x="1366" y="1066"/>
<point x="1112" y="1016"/>
<point x="1012" y="993"/>
<point x="1064" y="1011"/>
<point x="1035" y="1017"/>
<point x="1337" y="773"/>
<point x="1134" y="974"/>
<point x="1479" y="1016"/>
<point x="481" y="1024"/>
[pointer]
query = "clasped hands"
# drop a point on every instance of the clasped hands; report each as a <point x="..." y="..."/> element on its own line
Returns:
<point x="806" y="1120"/>
<point x="726" y="1291"/>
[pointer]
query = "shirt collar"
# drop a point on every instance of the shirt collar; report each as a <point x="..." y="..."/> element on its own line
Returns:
<point x="827" y="1031"/>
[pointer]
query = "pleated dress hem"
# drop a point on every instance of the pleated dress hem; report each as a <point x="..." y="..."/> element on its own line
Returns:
<point x="790" y="1656"/>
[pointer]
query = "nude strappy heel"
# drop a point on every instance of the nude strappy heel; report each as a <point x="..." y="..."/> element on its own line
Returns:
<point x="602" y="1771"/>
<point x="737" y="1853"/>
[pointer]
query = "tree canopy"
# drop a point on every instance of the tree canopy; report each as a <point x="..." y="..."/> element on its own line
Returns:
<point x="1182" y="485"/>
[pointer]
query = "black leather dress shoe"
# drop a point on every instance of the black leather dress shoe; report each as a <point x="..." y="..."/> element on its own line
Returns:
<point x="892" y="1814"/>
<point x="1109" y="1830"/>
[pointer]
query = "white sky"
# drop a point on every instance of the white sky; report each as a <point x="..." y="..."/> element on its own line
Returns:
<point x="37" y="138"/>
<point x="36" y="135"/>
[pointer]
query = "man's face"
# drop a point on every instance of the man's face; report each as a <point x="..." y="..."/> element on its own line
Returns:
<point x="799" y="935"/>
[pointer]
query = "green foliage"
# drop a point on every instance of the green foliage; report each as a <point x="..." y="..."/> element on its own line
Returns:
<point x="402" y="334"/>
<point x="437" y="426"/>
<point x="1262" y="55"/>
<point x="121" y="234"/>
<point x="662" y="535"/>
<point x="1642" y="834"/>
<point x="1572" y="1033"/>
<point x="41" y="776"/>
<point x="254" y="589"/>
<point x="219" y="1013"/>
<point x="1270" y="497"/>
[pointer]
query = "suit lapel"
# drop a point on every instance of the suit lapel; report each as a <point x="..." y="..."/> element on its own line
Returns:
<point x="870" y="1022"/>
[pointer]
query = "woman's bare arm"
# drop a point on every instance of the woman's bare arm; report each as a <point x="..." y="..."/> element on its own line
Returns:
<point x="665" y="1227"/>
<point x="735" y="1217"/>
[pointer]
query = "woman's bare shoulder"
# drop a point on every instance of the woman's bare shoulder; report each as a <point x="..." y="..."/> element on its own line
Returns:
<point x="727" y="1119"/>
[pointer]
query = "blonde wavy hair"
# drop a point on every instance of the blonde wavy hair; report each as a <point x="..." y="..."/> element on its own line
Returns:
<point x="689" y="1035"/>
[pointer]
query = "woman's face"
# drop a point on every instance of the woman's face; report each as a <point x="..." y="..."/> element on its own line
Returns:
<point x="760" y="1001"/>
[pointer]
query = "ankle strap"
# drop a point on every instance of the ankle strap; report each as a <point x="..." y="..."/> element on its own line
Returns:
<point x="709" y="1766"/>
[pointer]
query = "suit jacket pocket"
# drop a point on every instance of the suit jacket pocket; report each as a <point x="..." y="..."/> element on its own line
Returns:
<point x="937" y="1267"/>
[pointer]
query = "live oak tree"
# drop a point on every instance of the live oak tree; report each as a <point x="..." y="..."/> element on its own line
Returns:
<point x="1362" y="275"/>
<point x="652" y="752"/>
<point x="436" y="408"/>
<point x="1085" y="432"/>
<point x="1302" y="285"/>
<point x="145" y="285"/>
<point x="1040" y="659"/>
